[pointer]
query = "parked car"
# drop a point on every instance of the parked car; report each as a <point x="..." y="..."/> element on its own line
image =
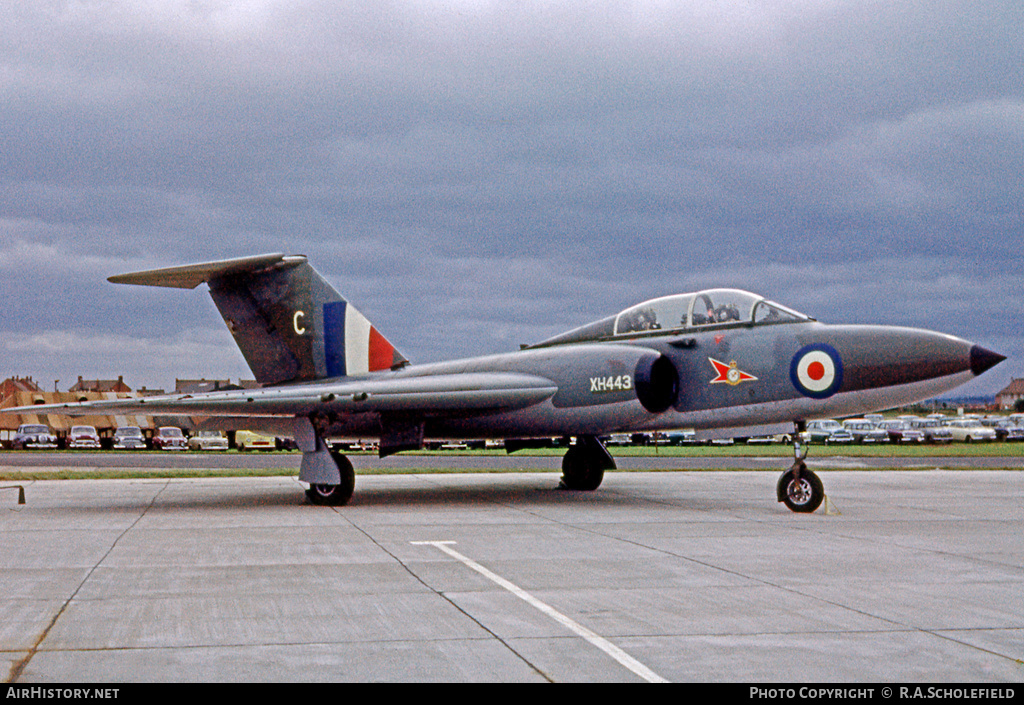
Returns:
<point x="169" y="438"/>
<point x="252" y="440"/>
<point x="83" y="437"/>
<point x="899" y="431"/>
<point x="207" y="441"/>
<point x="34" y="436"/>
<point x="618" y="439"/>
<point x="1006" y="428"/>
<point x="681" y="438"/>
<point x="129" y="438"/>
<point x="970" y="430"/>
<point x="864" y="431"/>
<point x="827" y="431"/>
<point x="364" y="445"/>
<point x="933" y="430"/>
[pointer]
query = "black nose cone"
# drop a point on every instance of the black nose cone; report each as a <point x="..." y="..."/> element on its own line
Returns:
<point x="983" y="359"/>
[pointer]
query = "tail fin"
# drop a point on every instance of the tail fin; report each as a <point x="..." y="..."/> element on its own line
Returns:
<point x="290" y="324"/>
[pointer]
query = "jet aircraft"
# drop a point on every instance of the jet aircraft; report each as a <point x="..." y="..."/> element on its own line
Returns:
<point x="714" y="359"/>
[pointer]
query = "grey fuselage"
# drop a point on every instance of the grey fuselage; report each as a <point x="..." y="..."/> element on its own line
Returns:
<point x="663" y="381"/>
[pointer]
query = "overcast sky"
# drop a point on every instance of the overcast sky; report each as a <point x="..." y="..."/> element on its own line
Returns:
<point x="474" y="175"/>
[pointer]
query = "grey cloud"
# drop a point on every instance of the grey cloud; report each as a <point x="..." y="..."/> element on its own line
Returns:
<point x="509" y="170"/>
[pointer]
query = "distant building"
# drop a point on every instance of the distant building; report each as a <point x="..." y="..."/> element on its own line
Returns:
<point x="100" y="385"/>
<point x="59" y="423"/>
<point x="13" y="385"/>
<point x="1014" y="392"/>
<point x="144" y="391"/>
<point x="196" y="386"/>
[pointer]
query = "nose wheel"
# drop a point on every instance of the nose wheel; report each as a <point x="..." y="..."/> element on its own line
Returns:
<point x="799" y="488"/>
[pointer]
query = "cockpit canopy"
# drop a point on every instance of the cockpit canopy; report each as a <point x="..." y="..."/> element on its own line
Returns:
<point x="703" y="308"/>
<point x="685" y="312"/>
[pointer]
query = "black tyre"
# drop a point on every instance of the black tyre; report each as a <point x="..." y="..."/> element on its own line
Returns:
<point x="584" y="464"/>
<point x="335" y="495"/>
<point x="801" y="494"/>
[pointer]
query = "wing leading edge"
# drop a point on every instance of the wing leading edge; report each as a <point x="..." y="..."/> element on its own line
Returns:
<point x="428" y="395"/>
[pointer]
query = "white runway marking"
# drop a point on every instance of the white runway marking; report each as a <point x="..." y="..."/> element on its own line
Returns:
<point x="600" y="642"/>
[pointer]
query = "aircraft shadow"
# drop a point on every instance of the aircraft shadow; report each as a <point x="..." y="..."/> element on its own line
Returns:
<point x="500" y="493"/>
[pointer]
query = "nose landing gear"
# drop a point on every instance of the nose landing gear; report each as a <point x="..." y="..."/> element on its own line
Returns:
<point x="799" y="488"/>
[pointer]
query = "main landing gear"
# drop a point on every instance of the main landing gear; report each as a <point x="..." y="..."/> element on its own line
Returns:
<point x="335" y="495"/>
<point x="799" y="488"/>
<point x="584" y="464"/>
<point x="328" y="473"/>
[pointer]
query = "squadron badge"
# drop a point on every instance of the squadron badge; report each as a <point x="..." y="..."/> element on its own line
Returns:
<point x="729" y="374"/>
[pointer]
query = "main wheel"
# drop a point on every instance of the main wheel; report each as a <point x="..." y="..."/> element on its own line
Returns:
<point x="801" y="494"/>
<point x="335" y="495"/>
<point x="584" y="464"/>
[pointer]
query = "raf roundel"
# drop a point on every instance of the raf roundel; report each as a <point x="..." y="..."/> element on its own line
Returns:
<point x="817" y="371"/>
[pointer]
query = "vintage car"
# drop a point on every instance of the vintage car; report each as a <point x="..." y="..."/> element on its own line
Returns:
<point x="682" y="437"/>
<point x="970" y="430"/>
<point x="83" y="437"/>
<point x="827" y="431"/>
<point x="34" y="436"/>
<point x="766" y="439"/>
<point x="208" y="440"/>
<point x="129" y="438"/>
<point x="899" y="431"/>
<point x="1006" y="428"/>
<point x="169" y="438"/>
<point x="933" y="430"/>
<point x="251" y="440"/>
<point x="618" y="439"/>
<point x="864" y="431"/>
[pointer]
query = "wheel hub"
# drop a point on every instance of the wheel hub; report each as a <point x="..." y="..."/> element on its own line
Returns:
<point x="799" y="491"/>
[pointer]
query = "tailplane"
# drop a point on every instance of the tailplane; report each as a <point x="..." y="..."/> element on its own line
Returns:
<point x="290" y="324"/>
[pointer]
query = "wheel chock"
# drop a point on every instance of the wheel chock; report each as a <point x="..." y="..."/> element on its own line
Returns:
<point x="830" y="509"/>
<point x="21" y="492"/>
